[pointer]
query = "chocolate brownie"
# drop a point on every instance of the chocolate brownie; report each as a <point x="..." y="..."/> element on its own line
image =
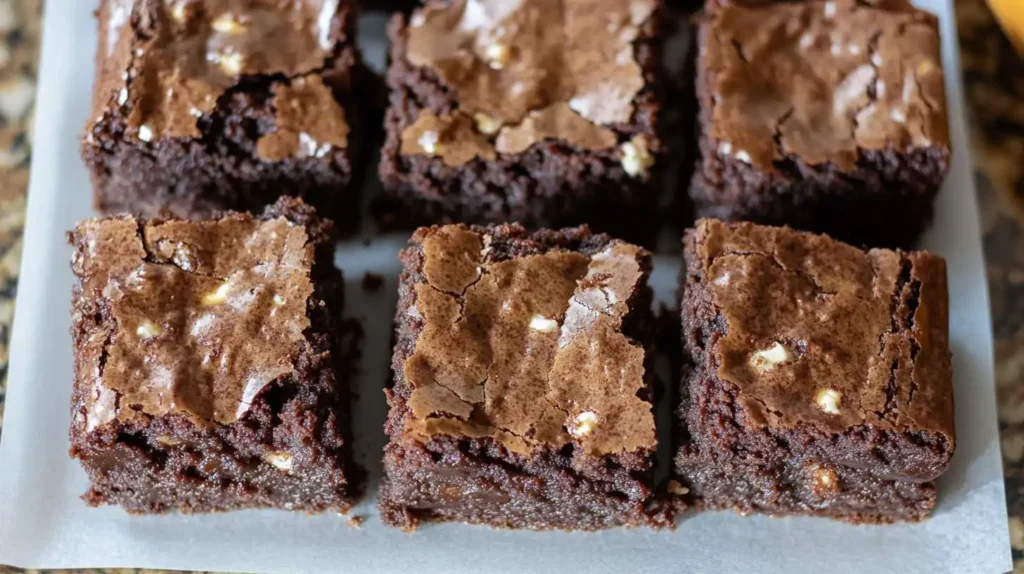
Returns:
<point x="819" y="377"/>
<point x="522" y="381"/>
<point x="828" y="116"/>
<point x="207" y="105"/>
<point x="543" y="113"/>
<point x="211" y="366"/>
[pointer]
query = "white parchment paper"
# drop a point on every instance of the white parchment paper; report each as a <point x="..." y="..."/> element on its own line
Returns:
<point x="43" y="523"/>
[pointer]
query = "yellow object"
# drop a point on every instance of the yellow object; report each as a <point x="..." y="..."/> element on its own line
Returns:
<point x="1011" y="14"/>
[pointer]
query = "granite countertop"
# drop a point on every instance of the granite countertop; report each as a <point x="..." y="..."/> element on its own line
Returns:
<point x="994" y="80"/>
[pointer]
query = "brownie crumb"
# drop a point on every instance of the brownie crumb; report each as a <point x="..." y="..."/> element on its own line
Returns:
<point x="356" y="521"/>
<point x="674" y="488"/>
<point x="663" y="509"/>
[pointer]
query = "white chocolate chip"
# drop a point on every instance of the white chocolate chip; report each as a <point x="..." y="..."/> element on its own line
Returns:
<point x="583" y="424"/>
<point x="309" y="147"/>
<point x="485" y="124"/>
<point x="835" y="49"/>
<point x="230" y="63"/>
<point x="148" y="329"/>
<point x="429" y="141"/>
<point x="417" y="20"/>
<point x="898" y="116"/>
<point x="743" y="156"/>
<point x="925" y="68"/>
<point x="806" y="40"/>
<point x="876" y="60"/>
<point x="278" y="300"/>
<point x="828" y="400"/>
<point x="853" y="49"/>
<point x="825" y="476"/>
<point x="830" y="10"/>
<point x="196" y="112"/>
<point x="725" y="148"/>
<point x="167" y="440"/>
<point x="226" y="23"/>
<point x="880" y="88"/>
<point x="217" y="296"/>
<point x="497" y="56"/>
<point x="766" y="359"/>
<point x="122" y="96"/>
<point x="722" y="280"/>
<point x="145" y="133"/>
<point x="307" y="144"/>
<point x="543" y="324"/>
<point x="282" y="459"/>
<point x="636" y="157"/>
<point x="178" y="12"/>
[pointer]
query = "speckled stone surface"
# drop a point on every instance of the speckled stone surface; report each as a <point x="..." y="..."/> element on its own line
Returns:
<point x="994" y="82"/>
<point x="994" y="79"/>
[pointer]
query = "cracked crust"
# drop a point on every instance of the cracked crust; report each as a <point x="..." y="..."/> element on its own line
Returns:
<point x="233" y="156"/>
<point x="523" y="460"/>
<point x="549" y="184"/>
<point x="802" y="350"/>
<point x="828" y="123"/>
<point x="289" y="448"/>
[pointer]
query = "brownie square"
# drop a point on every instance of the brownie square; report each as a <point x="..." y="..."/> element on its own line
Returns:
<point x="828" y="116"/>
<point x="522" y="381"/>
<point x="546" y="114"/>
<point x="819" y="378"/>
<point x="206" y="105"/>
<point x="211" y="365"/>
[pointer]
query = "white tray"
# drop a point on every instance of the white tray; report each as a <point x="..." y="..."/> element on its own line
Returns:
<point x="43" y="523"/>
